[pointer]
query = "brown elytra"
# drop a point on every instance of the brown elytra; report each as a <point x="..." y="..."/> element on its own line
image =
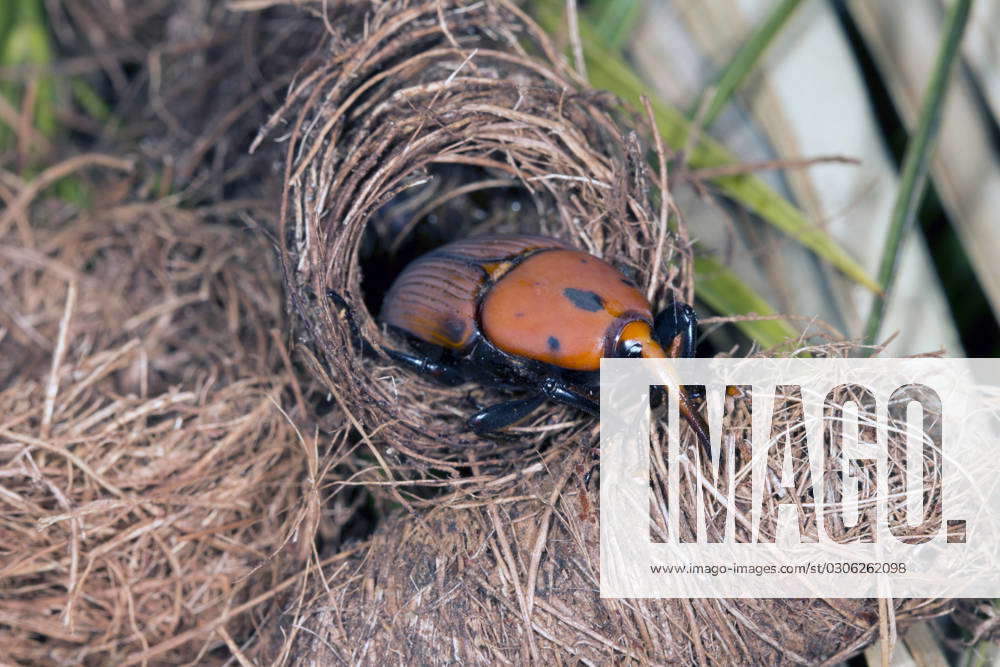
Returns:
<point x="531" y="296"/>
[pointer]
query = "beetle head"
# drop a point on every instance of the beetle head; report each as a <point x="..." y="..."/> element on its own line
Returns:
<point x="636" y="340"/>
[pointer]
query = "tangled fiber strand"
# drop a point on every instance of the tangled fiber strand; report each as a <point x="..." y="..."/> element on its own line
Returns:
<point x="512" y="578"/>
<point x="508" y="570"/>
<point x="149" y="479"/>
<point x="505" y="568"/>
<point x="161" y="465"/>
<point x="409" y="93"/>
<point x="188" y="84"/>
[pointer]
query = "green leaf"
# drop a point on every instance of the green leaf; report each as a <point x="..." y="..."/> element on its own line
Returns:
<point x="725" y="292"/>
<point x="6" y="21"/>
<point x="913" y="181"/>
<point x="606" y="69"/>
<point x="25" y="39"/>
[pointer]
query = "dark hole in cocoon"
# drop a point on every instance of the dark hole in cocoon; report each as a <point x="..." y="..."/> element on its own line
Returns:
<point x="419" y="220"/>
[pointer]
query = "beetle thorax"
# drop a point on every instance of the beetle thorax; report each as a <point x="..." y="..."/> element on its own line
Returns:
<point x="562" y="307"/>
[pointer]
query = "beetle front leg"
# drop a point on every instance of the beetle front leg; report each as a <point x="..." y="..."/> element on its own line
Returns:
<point x="559" y="391"/>
<point x="498" y="416"/>
<point x="439" y="370"/>
<point x="352" y="324"/>
<point x="677" y="319"/>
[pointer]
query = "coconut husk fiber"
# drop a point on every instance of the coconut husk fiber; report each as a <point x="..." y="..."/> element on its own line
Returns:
<point x="175" y="488"/>
<point x="159" y="467"/>
<point x="427" y="122"/>
<point x="151" y="483"/>
<point x="437" y="120"/>
<point x="511" y="578"/>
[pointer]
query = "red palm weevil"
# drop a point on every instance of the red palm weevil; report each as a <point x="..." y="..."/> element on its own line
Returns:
<point x="528" y="312"/>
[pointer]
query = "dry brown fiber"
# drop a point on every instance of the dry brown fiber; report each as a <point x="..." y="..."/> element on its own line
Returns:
<point x="157" y="469"/>
<point x="408" y="99"/>
<point x="164" y="503"/>
<point x="511" y="577"/>
<point x="149" y="476"/>
<point x="423" y="90"/>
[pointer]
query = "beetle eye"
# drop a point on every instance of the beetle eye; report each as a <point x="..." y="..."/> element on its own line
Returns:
<point x="631" y="349"/>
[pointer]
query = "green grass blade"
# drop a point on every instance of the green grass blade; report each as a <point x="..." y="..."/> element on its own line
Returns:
<point x="725" y="292"/>
<point x="88" y="98"/>
<point x="614" y="20"/>
<point x="716" y="286"/>
<point x="25" y="40"/>
<point x="606" y="69"/>
<point x="913" y="181"/>
<point x="744" y="61"/>
<point x="6" y="21"/>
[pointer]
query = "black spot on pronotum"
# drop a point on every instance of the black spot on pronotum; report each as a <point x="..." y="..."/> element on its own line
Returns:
<point x="453" y="328"/>
<point x="553" y="343"/>
<point x="584" y="299"/>
<point x="518" y="314"/>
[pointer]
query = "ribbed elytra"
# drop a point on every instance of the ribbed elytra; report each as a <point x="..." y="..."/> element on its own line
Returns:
<point x="531" y="296"/>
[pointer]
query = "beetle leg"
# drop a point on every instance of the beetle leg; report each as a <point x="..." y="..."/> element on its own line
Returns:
<point x="656" y="396"/>
<point x="677" y="319"/>
<point x="497" y="416"/>
<point x="439" y="370"/>
<point x="345" y="307"/>
<point x="559" y="391"/>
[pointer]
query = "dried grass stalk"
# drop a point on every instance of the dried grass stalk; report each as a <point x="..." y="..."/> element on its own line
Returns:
<point x="160" y="462"/>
